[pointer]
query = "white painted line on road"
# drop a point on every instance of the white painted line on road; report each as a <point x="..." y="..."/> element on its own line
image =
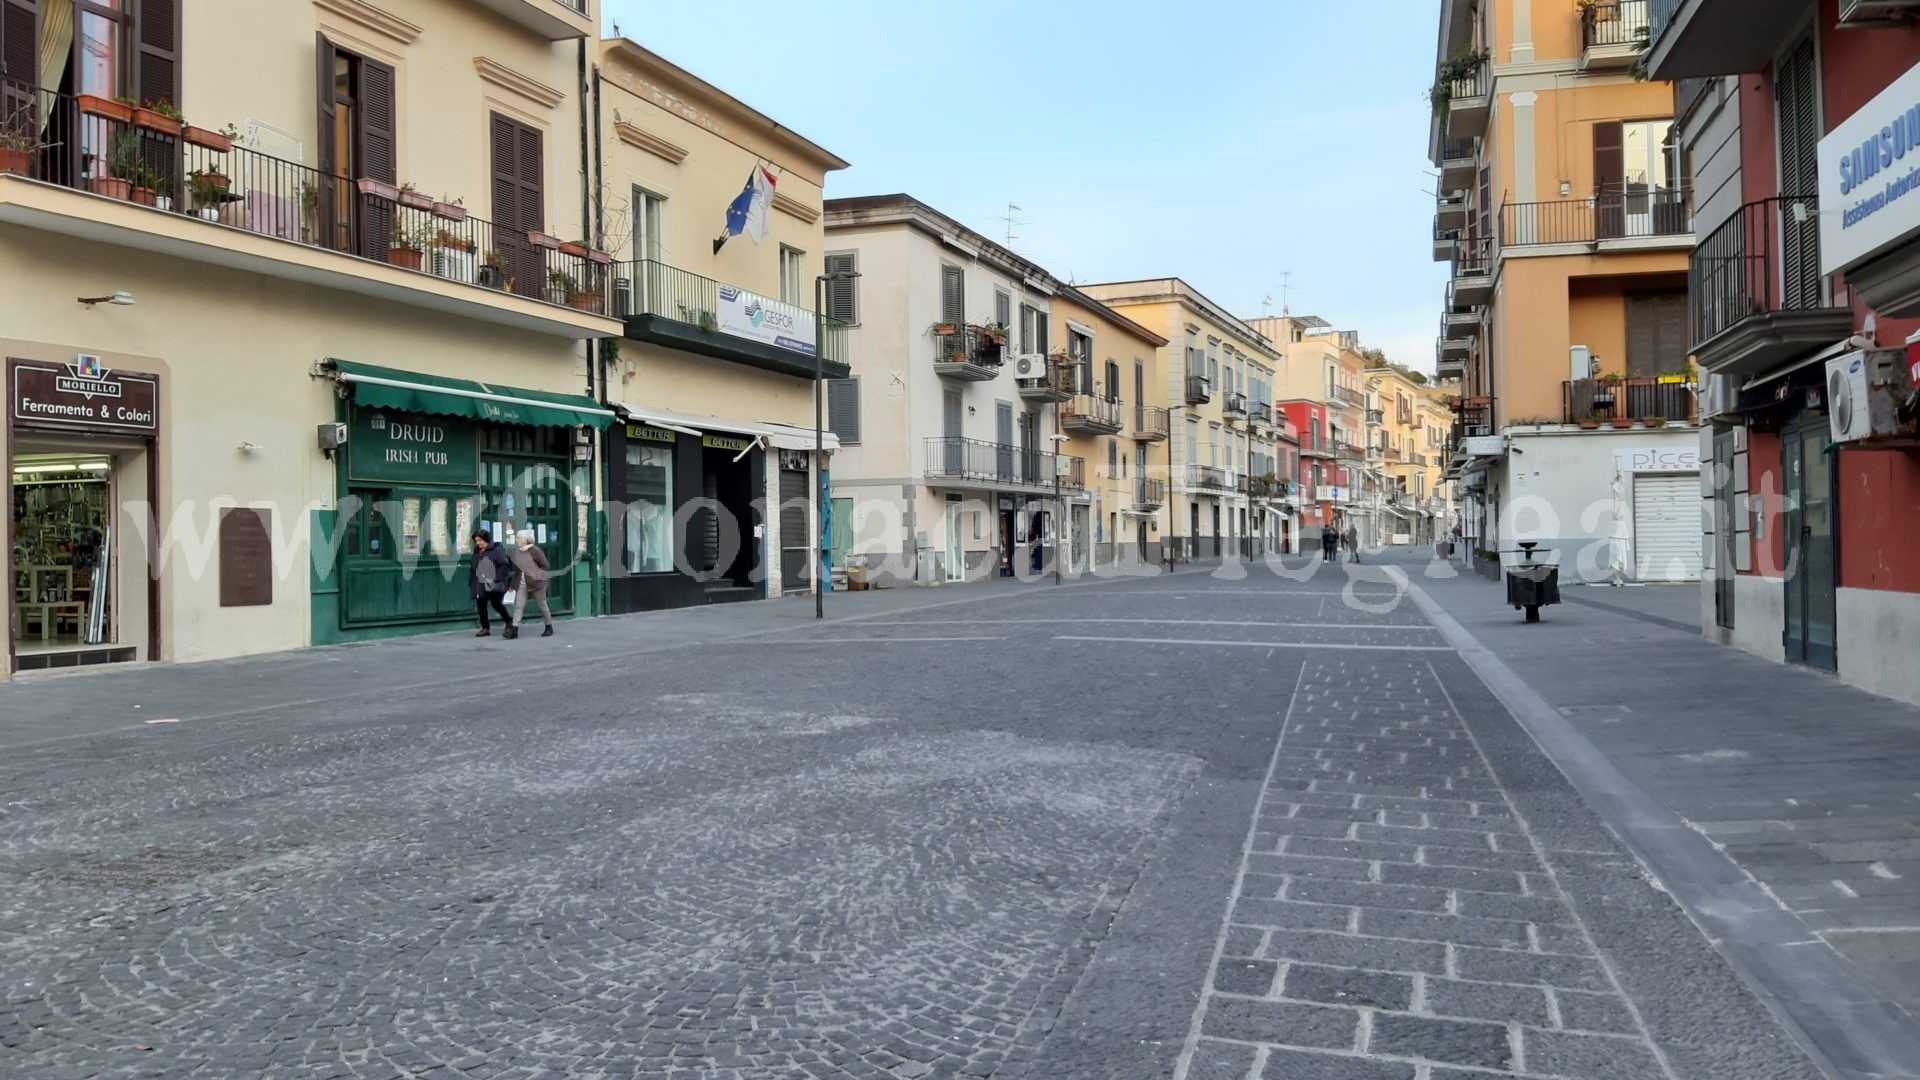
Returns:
<point x="1156" y="622"/>
<point x="1260" y="644"/>
<point x="845" y="640"/>
<point x="168" y="721"/>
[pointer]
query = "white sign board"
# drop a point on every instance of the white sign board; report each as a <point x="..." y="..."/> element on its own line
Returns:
<point x="1658" y="459"/>
<point x="1870" y="177"/>
<point x="1485" y="445"/>
<point x="770" y="322"/>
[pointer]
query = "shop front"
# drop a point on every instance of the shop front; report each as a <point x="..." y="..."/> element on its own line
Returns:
<point x="706" y="510"/>
<point x="427" y="461"/>
<point x="82" y="472"/>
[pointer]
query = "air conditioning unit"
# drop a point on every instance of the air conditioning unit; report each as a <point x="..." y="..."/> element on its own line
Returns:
<point x="1030" y="366"/>
<point x="1580" y="363"/>
<point x="1868" y="396"/>
<point x="1870" y="13"/>
<point x="454" y="264"/>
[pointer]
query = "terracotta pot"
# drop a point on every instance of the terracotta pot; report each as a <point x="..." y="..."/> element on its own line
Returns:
<point x="146" y="196"/>
<point x="112" y="187"/>
<point x="405" y="258"/>
<point x="378" y="189"/>
<point x="542" y="240"/>
<point x="1622" y="424"/>
<point x="153" y="121"/>
<point x="103" y="107"/>
<point x="211" y="140"/>
<point x="577" y="250"/>
<point x="413" y="200"/>
<point x="452" y="242"/>
<point x="1589" y="424"/>
<point x="586" y="301"/>
<point x="598" y="257"/>
<point x="1655" y="421"/>
<point x="15" y="161"/>
<point x="449" y="211"/>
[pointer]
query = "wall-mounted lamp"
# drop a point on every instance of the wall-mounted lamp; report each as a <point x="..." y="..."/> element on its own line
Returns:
<point x="120" y="298"/>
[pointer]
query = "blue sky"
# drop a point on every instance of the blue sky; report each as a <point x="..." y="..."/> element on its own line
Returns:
<point x="1223" y="141"/>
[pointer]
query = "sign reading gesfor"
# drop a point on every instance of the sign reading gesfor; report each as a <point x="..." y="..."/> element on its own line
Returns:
<point x="85" y="395"/>
<point x="770" y="322"/>
<point x="1870" y="177"/>
<point x="410" y="448"/>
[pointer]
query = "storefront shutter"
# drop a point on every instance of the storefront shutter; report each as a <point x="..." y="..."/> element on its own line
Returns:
<point x="1609" y="178"/>
<point x="843" y="409"/>
<point x="953" y="294"/>
<point x="378" y="155"/>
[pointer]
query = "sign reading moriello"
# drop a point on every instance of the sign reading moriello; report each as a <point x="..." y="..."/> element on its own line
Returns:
<point x="82" y="396"/>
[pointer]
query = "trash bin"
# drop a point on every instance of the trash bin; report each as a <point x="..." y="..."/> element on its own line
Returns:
<point x="1533" y="586"/>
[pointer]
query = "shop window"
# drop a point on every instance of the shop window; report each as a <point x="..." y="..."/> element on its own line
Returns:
<point x="649" y="516"/>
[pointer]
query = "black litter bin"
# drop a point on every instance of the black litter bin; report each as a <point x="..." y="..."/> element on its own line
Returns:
<point x="1533" y="586"/>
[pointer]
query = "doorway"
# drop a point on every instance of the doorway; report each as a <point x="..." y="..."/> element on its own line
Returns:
<point x="1008" y="524"/>
<point x="722" y="532"/>
<point x="1808" y="541"/>
<point x="66" y="560"/>
<point x="1081" y="523"/>
<point x="956" y="569"/>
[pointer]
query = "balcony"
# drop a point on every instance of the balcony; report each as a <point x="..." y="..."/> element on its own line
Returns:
<point x="1612" y="34"/>
<point x="95" y="174"/>
<point x="1090" y="414"/>
<point x="975" y="463"/>
<point x="1591" y="402"/>
<point x="1206" y="478"/>
<point x="1268" y="487"/>
<point x="1693" y="38"/>
<point x="554" y="20"/>
<point x="1646" y="218"/>
<point x="1473" y="271"/>
<point x="1444" y="241"/>
<point x="1350" y="452"/>
<point x="1462" y="324"/>
<point x="1234" y="407"/>
<point x="1376" y="416"/>
<point x="1450" y="212"/>
<point x="665" y="305"/>
<point x="1758" y="297"/>
<point x="1199" y="390"/>
<point x="1348" y="396"/>
<point x="1469" y="104"/>
<point x="964" y="354"/>
<point x="1458" y="164"/>
<point x="1453" y="349"/>
<point x="1149" y="494"/>
<point x="1259" y="415"/>
<point x="1150" y="423"/>
<point x="1060" y="383"/>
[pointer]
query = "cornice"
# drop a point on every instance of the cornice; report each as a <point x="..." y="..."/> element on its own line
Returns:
<point x="793" y="207"/>
<point x="651" y="143"/>
<point x="378" y="20"/>
<point x="504" y="77"/>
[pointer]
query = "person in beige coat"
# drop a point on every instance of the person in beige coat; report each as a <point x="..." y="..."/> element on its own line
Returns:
<point x="530" y="578"/>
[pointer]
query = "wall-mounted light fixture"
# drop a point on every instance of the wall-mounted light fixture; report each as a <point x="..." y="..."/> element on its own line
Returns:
<point x="120" y="298"/>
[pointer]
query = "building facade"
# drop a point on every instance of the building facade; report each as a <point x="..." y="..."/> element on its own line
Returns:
<point x="1323" y="387"/>
<point x="1565" y="216"/>
<point x="1799" y="116"/>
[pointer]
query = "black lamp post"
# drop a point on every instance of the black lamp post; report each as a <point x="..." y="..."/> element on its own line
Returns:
<point x="819" y="436"/>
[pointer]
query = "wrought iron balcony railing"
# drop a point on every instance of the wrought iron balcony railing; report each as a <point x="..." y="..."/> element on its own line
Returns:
<point x="1615" y="22"/>
<point x="1149" y="493"/>
<point x="1607" y="215"/>
<point x="1603" y="401"/>
<point x="1150" y="422"/>
<point x="1763" y="259"/>
<point x="994" y="463"/>
<point x="1206" y="477"/>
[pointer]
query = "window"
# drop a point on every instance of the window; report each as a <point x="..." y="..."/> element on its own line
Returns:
<point x="843" y="409"/>
<point x="793" y="276"/>
<point x="1113" y="458"/>
<point x="1033" y="330"/>
<point x="1003" y="308"/>
<point x="1113" y="381"/>
<point x="843" y="298"/>
<point x="649" y="217"/>
<point x="649" y="516"/>
<point x="953" y="294"/>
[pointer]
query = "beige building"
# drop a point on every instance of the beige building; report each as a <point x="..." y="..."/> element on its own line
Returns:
<point x="1401" y="450"/>
<point x="1323" y="389"/>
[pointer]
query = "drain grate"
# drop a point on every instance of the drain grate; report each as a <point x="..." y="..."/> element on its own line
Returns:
<point x="147" y="869"/>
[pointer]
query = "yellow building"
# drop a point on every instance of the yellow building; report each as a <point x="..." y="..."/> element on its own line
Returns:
<point x="1565" y="216"/>
<point x="1408" y="414"/>
<point x="1323" y="388"/>
<point x="1218" y="386"/>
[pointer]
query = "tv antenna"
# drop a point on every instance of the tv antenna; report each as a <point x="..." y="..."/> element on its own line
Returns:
<point x="1011" y="220"/>
<point x="1286" y="293"/>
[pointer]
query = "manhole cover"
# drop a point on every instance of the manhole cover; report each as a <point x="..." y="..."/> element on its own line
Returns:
<point x="146" y="869"/>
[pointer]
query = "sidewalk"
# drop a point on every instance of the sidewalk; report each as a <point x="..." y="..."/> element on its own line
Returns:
<point x="1808" y="790"/>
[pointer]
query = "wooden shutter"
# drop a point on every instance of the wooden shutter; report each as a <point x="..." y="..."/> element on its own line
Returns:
<point x="1796" y="94"/>
<point x="156" y="57"/>
<point x="1609" y="178"/>
<point x="326" y="186"/>
<point x="953" y="294"/>
<point x="19" y="68"/>
<point x="841" y="305"/>
<point x="519" y="201"/>
<point x="1113" y="381"/>
<point x="843" y="409"/>
<point x="378" y="154"/>
<point x="1003" y="309"/>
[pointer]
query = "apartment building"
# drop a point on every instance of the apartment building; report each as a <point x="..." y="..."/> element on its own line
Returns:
<point x="1218" y="383"/>
<point x="1565" y="215"/>
<point x="276" y="344"/>
<point x="1322" y="391"/>
<point x="712" y="484"/>
<point x="1799" y="117"/>
<point x="1409" y="469"/>
<point x="976" y="371"/>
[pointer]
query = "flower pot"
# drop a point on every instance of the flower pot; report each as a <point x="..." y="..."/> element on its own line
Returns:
<point x="575" y="249"/>
<point x="944" y="329"/>
<point x="1622" y="423"/>
<point x="112" y="187"/>
<point x="15" y="161"/>
<point x="105" y="108"/>
<point x="146" y="196"/>
<point x="153" y="121"/>
<point x="586" y="301"/>
<point x="1589" y="425"/>
<point x="413" y="200"/>
<point x="1655" y="421"/>
<point x="450" y="211"/>
<point x="452" y="243"/>
<point x="378" y="189"/>
<point x="208" y="213"/>
<point x="542" y="240"/>
<point x="598" y="257"/>
<point x="405" y="258"/>
<point x="210" y="140"/>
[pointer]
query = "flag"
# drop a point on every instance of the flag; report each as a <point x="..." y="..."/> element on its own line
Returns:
<point x="748" y="211"/>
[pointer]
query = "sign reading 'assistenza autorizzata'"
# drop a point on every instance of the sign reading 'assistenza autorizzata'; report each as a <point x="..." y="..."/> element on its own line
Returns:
<point x="1870" y="177"/>
<point x="85" y="395"/>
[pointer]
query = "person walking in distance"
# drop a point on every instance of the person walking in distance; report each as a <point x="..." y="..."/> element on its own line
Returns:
<point x="488" y="580"/>
<point x="530" y="574"/>
<point x="1329" y="541"/>
<point x="1353" y="544"/>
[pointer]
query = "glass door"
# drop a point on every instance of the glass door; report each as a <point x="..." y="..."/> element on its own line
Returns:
<point x="956" y="545"/>
<point x="1812" y="570"/>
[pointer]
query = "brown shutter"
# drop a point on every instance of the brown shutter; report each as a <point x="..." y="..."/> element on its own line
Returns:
<point x="157" y="54"/>
<point x="1643" y="342"/>
<point x="519" y="201"/>
<point x="1796" y="94"/>
<point x="1672" y="324"/>
<point x="378" y="160"/>
<point x="1609" y="178"/>
<point x="326" y="187"/>
<point x="19" y="69"/>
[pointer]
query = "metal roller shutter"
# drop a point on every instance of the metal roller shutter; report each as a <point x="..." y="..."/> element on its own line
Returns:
<point x="794" y="533"/>
<point x="1666" y="527"/>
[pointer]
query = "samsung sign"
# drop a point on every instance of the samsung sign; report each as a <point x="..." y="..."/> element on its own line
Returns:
<point x="1870" y="177"/>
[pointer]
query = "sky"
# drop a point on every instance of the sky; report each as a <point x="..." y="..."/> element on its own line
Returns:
<point x="1226" y="142"/>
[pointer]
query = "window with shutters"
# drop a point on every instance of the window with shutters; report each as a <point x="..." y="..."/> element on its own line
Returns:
<point x="519" y="201"/>
<point x="843" y="297"/>
<point x="953" y="294"/>
<point x="649" y="224"/>
<point x="1003" y="308"/>
<point x="1080" y="348"/>
<point x="843" y="409"/>
<point x="1113" y="381"/>
<point x="357" y="124"/>
<point x="1657" y="334"/>
<point x="793" y="276"/>
<point x="1796" y="94"/>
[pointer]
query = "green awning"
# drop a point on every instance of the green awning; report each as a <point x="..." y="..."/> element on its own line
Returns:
<point x="437" y="395"/>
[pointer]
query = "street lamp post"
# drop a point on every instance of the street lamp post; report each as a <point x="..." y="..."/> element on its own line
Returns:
<point x="819" y="427"/>
<point x="1059" y="524"/>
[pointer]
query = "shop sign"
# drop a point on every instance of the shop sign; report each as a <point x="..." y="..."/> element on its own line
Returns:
<point x="85" y="395"/>
<point x="727" y="442"/>
<point x="650" y="434"/>
<point x="1652" y="459"/>
<point x="409" y="448"/>
<point x="1870" y="177"/>
<point x="769" y="322"/>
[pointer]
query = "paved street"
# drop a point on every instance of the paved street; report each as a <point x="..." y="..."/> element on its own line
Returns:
<point x="1205" y="826"/>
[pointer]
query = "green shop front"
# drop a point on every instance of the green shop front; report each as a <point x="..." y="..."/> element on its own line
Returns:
<point x="427" y="460"/>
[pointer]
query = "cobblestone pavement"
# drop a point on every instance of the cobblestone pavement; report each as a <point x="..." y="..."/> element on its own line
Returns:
<point x="1191" y="826"/>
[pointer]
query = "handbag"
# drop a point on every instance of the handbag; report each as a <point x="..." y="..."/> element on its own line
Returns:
<point x="508" y="598"/>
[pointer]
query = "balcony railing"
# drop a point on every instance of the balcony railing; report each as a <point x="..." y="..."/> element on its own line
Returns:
<point x="86" y="145"/>
<point x="1260" y="413"/>
<point x="1764" y="259"/>
<point x="1150" y="422"/>
<point x="1199" y="390"/>
<point x="1091" y="413"/>
<point x="1473" y="257"/>
<point x="1149" y="493"/>
<point x="1350" y="452"/>
<point x="1615" y="22"/>
<point x="991" y="463"/>
<point x="1458" y="150"/>
<point x="1234" y="405"/>
<point x="1347" y="395"/>
<point x="1612" y="215"/>
<point x="1206" y="478"/>
<point x="1628" y="399"/>
<point x="1477" y="85"/>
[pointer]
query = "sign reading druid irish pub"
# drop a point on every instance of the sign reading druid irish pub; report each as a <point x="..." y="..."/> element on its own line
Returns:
<point x="85" y="395"/>
<point x="411" y="448"/>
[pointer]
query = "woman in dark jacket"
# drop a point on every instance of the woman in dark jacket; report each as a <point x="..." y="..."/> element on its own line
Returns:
<point x="491" y="574"/>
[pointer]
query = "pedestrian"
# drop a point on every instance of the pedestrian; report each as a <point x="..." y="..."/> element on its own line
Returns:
<point x="488" y="580"/>
<point x="530" y="576"/>
<point x="1329" y="541"/>
<point x="1353" y="544"/>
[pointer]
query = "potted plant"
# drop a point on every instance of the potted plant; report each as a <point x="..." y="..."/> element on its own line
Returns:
<point x="445" y="239"/>
<point x="123" y="166"/>
<point x="406" y="249"/>
<point x="217" y="141"/>
<point x="570" y="292"/>
<point x="206" y="190"/>
<point x="16" y="152"/>
<point x="309" y="210"/>
<point x="543" y="240"/>
<point x="1654" y="421"/>
<point x="118" y="110"/>
<point x="945" y="329"/>
<point x="1622" y="422"/>
<point x="574" y="248"/>
<point x="147" y="182"/>
<point x="494" y="271"/>
<point x="450" y="209"/>
<point x="159" y="116"/>
<point x="378" y="189"/>
<point x="410" y="197"/>
<point x="1459" y="67"/>
<point x="1588" y="423"/>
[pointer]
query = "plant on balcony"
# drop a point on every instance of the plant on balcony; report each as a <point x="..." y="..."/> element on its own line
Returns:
<point x="159" y="115"/>
<point x="408" y="246"/>
<point x="452" y="241"/>
<point x="217" y="141"/>
<point x="17" y="144"/>
<point x="945" y="329"/>
<point x="119" y="110"/>
<point x="1654" y="421"/>
<point x="124" y="170"/>
<point x="1459" y="67"/>
<point x="566" y="289"/>
<point x="451" y="209"/>
<point x="411" y="197"/>
<point x="309" y="210"/>
<point x="992" y="333"/>
<point x="206" y="190"/>
<point x="495" y="271"/>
